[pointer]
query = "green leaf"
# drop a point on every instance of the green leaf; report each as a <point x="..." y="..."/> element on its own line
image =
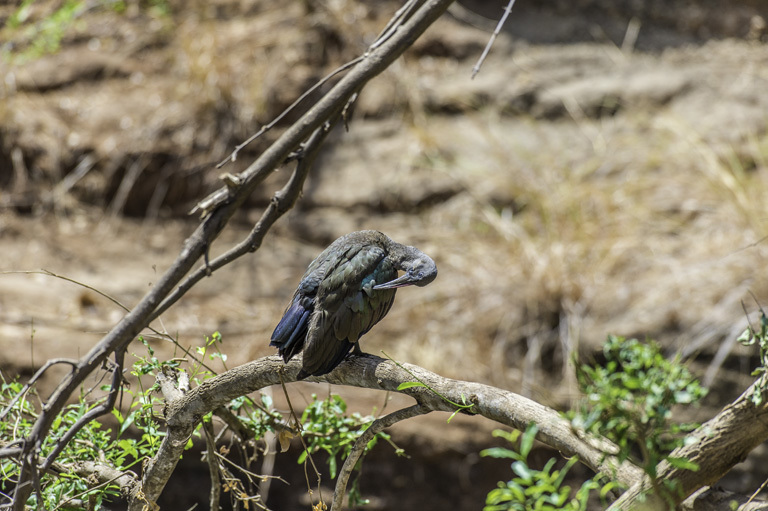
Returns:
<point x="129" y="447"/>
<point x="500" y="452"/>
<point x="746" y="338"/>
<point x="527" y="442"/>
<point x="410" y="384"/>
<point x="683" y="463"/>
<point x="509" y="436"/>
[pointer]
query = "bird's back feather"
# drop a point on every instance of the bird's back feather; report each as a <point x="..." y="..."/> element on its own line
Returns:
<point x="335" y="303"/>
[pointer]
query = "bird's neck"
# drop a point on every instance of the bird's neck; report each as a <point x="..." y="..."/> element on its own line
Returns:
<point x="402" y="253"/>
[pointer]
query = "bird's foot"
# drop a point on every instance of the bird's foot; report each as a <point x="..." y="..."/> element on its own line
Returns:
<point x="356" y="351"/>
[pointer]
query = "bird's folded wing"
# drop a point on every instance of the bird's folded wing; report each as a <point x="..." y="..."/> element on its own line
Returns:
<point x="322" y="350"/>
<point x="347" y="277"/>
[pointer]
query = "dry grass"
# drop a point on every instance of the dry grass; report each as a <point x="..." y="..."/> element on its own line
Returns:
<point x="634" y="224"/>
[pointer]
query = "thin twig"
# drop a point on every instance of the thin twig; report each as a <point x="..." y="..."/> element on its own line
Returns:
<point x="309" y="457"/>
<point x="233" y="156"/>
<point x="757" y="492"/>
<point x="395" y="22"/>
<point x="213" y="466"/>
<point x="33" y="379"/>
<point x="248" y="472"/>
<point x="361" y="443"/>
<point x="496" y="32"/>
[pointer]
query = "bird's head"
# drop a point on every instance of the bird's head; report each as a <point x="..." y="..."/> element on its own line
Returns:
<point x="419" y="271"/>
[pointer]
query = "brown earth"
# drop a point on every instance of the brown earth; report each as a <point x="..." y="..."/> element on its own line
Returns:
<point x="604" y="173"/>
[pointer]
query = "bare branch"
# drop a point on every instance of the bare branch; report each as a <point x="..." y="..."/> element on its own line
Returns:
<point x="213" y="466"/>
<point x="397" y="20"/>
<point x="273" y="123"/>
<point x="127" y="481"/>
<point x="362" y="441"/>
<point x="725" y="439"/>
<point x="282" y="202"/>
<point x="99" y="475"/>
<point x="496" y="32"/>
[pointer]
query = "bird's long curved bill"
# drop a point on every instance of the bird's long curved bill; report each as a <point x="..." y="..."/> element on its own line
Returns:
<point x="402" y="281"/>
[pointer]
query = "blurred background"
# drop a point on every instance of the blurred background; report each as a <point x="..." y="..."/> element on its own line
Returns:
<point x="606" y="172"/>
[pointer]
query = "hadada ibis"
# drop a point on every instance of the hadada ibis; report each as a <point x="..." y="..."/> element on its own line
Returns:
<point x="346" y="290"/>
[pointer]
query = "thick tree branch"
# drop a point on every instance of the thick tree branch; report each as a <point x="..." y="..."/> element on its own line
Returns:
<point x="373" y="372"/>
<point x="724" y="440"/>
<point x="127" y="481"/>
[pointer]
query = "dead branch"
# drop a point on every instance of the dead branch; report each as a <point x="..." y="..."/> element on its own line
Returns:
<point x="496" y="32"/>
<point x="281" y="203"/>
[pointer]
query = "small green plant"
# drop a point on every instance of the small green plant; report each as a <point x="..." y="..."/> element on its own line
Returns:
<point x="93" y="442"/>
<point x="759" y="337"/>
<point x="327" y="427"/>
<point x="30" y="33"/>
<point x="43" y="36"/>
<point x="629" y="399"/>
<point x="532" y="489"/>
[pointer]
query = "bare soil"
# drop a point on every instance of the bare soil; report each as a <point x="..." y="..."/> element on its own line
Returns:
<point x="606" y="172"/>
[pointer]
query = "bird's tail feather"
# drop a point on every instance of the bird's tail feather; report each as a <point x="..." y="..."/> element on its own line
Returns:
<point x="289" y="333"/>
